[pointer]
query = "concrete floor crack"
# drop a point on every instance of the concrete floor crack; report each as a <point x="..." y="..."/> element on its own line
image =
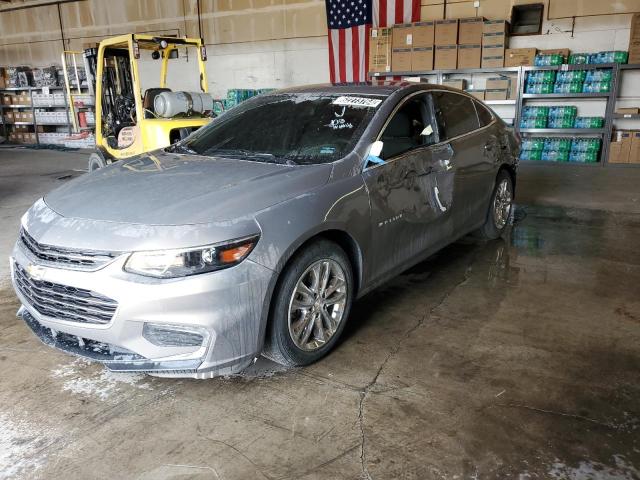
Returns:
<point x="364" y="392"/>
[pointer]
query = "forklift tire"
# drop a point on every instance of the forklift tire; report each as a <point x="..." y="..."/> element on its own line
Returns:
<point x="95" y="162"/>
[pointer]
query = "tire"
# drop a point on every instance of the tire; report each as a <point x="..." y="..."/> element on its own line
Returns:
<point x="95" y="162"/>
<point x="288" y="319"/>
<point x="500" y="208"/>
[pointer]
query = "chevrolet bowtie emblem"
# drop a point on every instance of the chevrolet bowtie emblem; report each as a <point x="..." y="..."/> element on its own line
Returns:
<point x="36" y="272"/>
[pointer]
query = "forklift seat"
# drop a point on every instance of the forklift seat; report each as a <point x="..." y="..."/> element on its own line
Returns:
<point x="149" y="96"/>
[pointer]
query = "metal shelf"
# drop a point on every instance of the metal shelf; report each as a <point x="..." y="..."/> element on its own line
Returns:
<point x="565" y="131"/>
<point x="561" y="164"/>
<point x="17" y="106"/>
<point x="626" y="116"/>
<point x="565" y="67"/>
<point x="460" y="71"/>
<point x="500" y="102"/>
<point x="565" y="95"/>
<point x="20" y="123"/>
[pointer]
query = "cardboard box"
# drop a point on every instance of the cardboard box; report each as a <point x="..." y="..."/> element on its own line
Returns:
<point x="621" y="147"/>
<point x="422" y="59"/>
<point x="423" y="34"/>
<point x="401" y="60"/>
<point x="498" y="83"/>
<point x="495" y="26"/>
<point x="7" y="99"/>
<point x="460" y="84"/>
<point x="556" y="51"/>
<point x="446" y="32"/>
<point x="479" y="94"/>
<point x="519" y="57"/>
<point x="628" y="111"/>
<point x="446" y="57"/>
<point x="469" y="56"/>
<point x="431" y="12"/>
<point x="470" y="31"/>
<point x="634" y="39"/>
<point x="496" y="38"/>
<point x="402" y="35"/>
<point x="493" y="56"/>
<point x="8" y="116"/>
<point x="634" y="153"/>
<point x="497" y="94"/>
<point x="635" y="27"/>
<point x="380" y="50"/>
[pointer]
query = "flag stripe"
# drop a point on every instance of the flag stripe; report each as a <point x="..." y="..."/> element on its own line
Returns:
<point x="332" y="62"/>
<point x="348" y="54"/>
<point x="341" y="56"/>
<point x="400" y="11"/>
<point x="367" y="33"/>
<point x="355" y="54"/>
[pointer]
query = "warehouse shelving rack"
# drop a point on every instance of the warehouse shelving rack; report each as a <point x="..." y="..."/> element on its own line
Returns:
<point x="32" y="108"/>
<point x="522" y="98"/>
<point x="609" y="97"/>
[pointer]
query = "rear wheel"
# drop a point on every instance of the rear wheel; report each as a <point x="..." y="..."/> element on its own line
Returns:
<point x="96" y="161"/>
<point x="310" y="306"/>
<point x="500" y="207"/>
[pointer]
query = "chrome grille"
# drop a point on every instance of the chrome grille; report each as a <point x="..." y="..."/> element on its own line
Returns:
<point x="64" y="257"/>
<point x="63" y="302"/>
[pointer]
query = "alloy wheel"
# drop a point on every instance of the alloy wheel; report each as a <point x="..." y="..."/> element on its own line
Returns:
<point x="502" y="204"/>
<point x="317" y="304"/>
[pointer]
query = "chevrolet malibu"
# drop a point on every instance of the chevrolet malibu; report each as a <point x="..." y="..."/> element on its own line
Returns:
<point x="255" y="234"/>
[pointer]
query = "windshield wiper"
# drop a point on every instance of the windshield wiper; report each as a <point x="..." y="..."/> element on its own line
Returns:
<point x="250" y="155"/>
<point x="179" y="148"/>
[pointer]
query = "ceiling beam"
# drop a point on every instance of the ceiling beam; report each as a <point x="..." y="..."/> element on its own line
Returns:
<point x="33" y="4"/>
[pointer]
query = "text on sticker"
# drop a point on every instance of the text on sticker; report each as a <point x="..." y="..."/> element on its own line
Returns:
<point x="357" y="102"/>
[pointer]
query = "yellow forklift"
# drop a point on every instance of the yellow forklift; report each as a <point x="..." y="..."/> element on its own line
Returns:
<point x="128" y="120"/>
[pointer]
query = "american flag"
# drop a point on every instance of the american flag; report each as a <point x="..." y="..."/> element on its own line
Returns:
<point x="350" y="23"/>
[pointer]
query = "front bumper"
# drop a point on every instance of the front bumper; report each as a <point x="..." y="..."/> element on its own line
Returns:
<point x="228" y="304"/>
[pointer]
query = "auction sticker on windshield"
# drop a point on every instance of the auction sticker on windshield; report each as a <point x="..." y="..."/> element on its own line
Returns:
<point x="357" y="101"/>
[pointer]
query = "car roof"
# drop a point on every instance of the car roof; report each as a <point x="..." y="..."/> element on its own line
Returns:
<point x="383" y="89"/>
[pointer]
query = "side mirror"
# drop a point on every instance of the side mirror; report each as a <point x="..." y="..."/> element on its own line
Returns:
<point x="374" y="152"/>
<point x="376" y="148"/>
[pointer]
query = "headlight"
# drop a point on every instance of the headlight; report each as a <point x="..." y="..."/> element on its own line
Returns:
<point x="190" y="261"/>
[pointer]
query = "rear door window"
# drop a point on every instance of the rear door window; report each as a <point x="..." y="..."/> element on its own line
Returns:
<point x="484" y="115"/>
<point x="455" y="114"/>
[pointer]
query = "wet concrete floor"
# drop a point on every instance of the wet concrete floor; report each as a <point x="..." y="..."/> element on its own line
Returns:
<point x="518" y="358"/>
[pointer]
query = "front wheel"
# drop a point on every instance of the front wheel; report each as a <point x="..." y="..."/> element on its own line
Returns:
<point x="96" y="161"/>
<point x="500" y="207"/>
<point x="310" y="306"/>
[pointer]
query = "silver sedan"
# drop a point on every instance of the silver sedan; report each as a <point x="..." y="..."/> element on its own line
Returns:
<point x="256" y="233"/>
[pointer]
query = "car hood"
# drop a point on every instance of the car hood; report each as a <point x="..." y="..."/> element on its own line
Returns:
<point x="168" y="189"/>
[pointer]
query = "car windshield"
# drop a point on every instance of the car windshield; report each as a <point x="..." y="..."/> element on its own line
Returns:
<point x="286" y="128"/>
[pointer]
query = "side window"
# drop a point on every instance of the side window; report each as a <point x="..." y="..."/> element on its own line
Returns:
<point x="484" y="115"/>
<point x="410" y="127"/>
<point x="455" y="113"/>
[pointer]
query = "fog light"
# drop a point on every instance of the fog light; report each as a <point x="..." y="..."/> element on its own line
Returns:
<point x="174" y="335"/>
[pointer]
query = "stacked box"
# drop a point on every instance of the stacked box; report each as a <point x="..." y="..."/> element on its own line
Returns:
<point x="540" y="81"/>
<point x="422" y="46"/>
<point x="470" y="56"/>
<point x="470" y="31"/>
<point x="634" y="40"/>
<point x="446" y="32"/>
<point x="379" y="50"/>
<point x="446" y="57"/>
<point x="494" y="43"/>
<point x="610" y="56"/>
<point x="458" y="83"/>
<point x="519" y="57"/>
